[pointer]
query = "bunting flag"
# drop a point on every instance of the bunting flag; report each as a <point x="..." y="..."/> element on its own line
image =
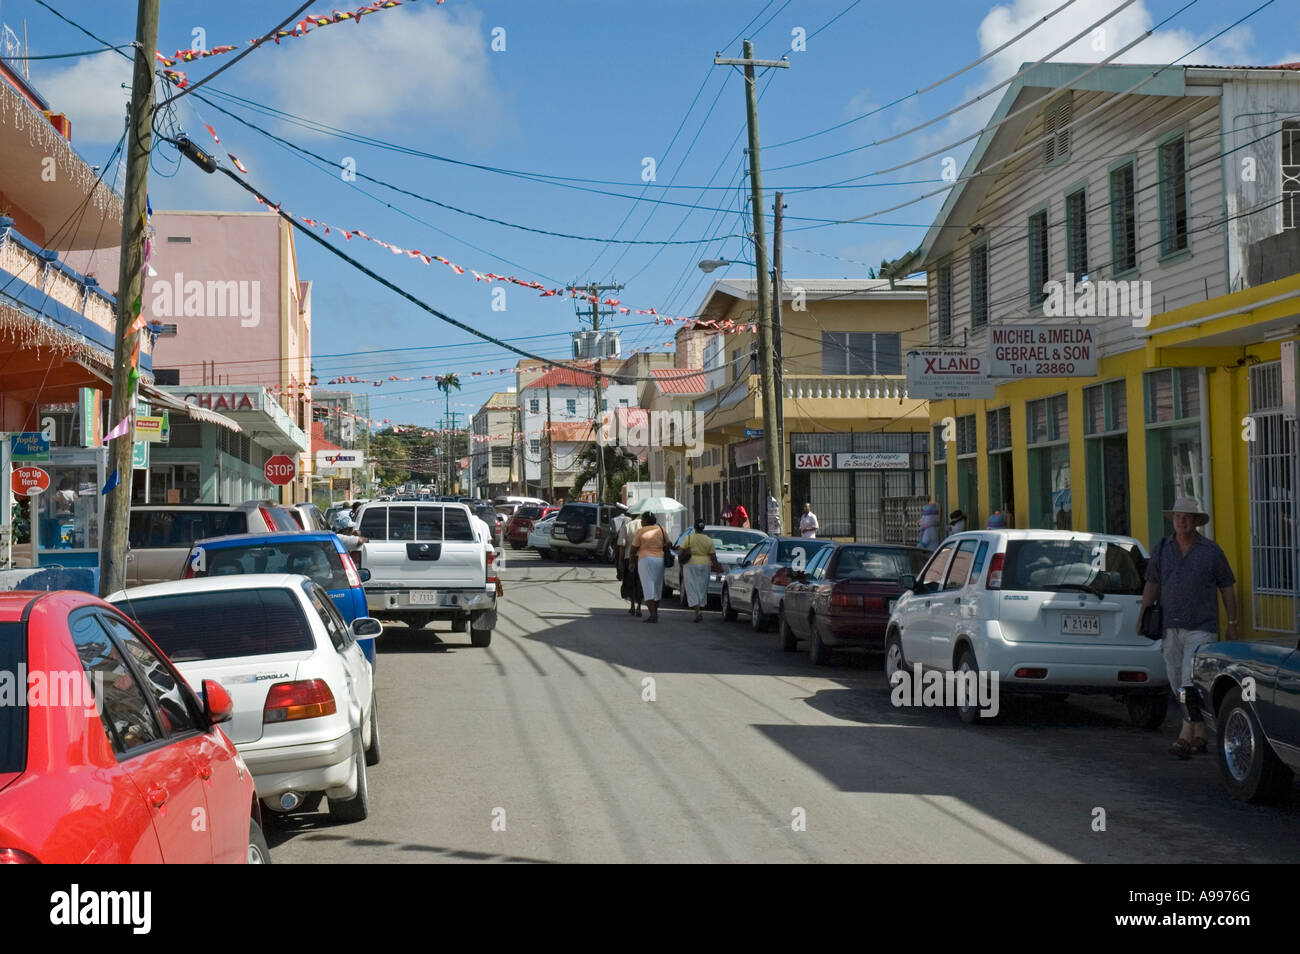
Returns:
<point x="212" y="132"/>
<point x="113" y="481"/>
<point x="121" y="430"/>
<point x="239" y="165"/>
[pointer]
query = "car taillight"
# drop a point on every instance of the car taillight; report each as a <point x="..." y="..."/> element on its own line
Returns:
<point x="270" y="520"/>
<point x="12" y="856"/>
<point x="875" y="603"/>
<point x="781" y="577"/>
<point x="305" y="699"/>
<point x="350" y="568"/>
<point x="995" y="573"/>
<point x="189" y="570"/>
<point x="491" y="572"/>
<point x="843" y="600"/>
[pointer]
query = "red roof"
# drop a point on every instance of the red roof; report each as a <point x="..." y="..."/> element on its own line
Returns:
<point x="564" y="377"/>
<point x="680" y="380"/>
<point x="318" y="442"/>
<point x="577" y="431"/>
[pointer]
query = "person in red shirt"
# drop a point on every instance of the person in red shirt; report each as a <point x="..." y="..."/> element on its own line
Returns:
<point x="739" y="516"/>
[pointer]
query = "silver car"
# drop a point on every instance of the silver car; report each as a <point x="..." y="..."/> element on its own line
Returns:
<point x="757" y="585"/>
<point x="731" y="545"/>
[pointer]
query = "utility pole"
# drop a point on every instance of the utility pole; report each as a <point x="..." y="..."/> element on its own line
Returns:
<point x="550" y="446"/>
<point x="594" y="291"/>
<point x="773" y="465"/>
<point x="778" y="216"/>
<point x="130" y="287"/>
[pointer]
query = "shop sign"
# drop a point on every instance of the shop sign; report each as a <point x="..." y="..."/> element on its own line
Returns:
<point x="753" y="432"/>
<point x="227" y="400"/>
<point x="140" y="455"/>
<point x="947" y="374"/>
<point x="29" y="481"/>
<point x="1053" y="351"/>
<point x="149" y="428"/>
<point x="872" y="461"/>
<point x="338" y="459"/>
<point x="29" y="447"/>
<point x="812" y="461"/>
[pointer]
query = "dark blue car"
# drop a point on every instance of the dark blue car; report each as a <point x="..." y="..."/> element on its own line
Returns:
<point x="318" y="555"/>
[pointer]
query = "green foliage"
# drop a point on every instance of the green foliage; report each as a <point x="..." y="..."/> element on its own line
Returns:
<point x="620" y="468"/>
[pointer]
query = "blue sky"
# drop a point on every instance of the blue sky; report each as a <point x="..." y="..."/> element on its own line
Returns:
<point x="588" y="91"/>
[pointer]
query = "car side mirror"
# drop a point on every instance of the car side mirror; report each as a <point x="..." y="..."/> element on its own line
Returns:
<point x="366" y="627"/>
<point x="907" y="581"/>
<point x="364" y="574"/>
<point x="217" y="704"/>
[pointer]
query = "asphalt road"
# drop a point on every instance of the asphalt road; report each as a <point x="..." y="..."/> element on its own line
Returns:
<point x="551" y="746"/>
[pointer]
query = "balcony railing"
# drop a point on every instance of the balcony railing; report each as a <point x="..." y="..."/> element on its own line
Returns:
<point x="844" y="386"/>
<point x="59" y="284"/>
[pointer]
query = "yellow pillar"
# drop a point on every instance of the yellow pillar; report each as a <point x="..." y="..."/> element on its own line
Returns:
<point x="1078" y="460"/>
<point x="1137" y="456"/>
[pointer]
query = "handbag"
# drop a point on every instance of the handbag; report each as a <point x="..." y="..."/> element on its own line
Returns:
<point x="684" y="554"/>
<point x="1152" y="620"/>
<point x="668" y="552"/>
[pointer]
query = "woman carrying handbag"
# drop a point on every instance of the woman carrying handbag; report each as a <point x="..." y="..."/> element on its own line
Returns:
<point x="651" y="542"/>
<point x="699" y="558"/>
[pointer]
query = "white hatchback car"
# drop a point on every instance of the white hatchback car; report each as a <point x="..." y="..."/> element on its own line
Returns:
<point x="1050" y="612"/>
<point x="305" y="719"/>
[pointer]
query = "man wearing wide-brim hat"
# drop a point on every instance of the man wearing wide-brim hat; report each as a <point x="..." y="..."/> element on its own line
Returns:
<point x="1185" y="573"/>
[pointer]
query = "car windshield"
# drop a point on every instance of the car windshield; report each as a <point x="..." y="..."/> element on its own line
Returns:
<point x="786" y="549"/>
<point x="879" y="563"/>
<point x="318" y="560"/>
<point x="585" y="514"/>
<point x="1050" y="565"/>
<point x="13" y="718"/>
<point x="223" y="625"/>
<point x="530" y="512"/>
<point x="733" y="541"/>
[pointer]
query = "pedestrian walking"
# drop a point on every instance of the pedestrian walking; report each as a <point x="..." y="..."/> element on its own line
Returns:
<point x="738" y="516"/>
<point x="1185" y="572"/>
<point x="631" y="588"/>
<point x="650" y="542"/>
<point x="929" y="539"/>
<point x="615" y="525"/>
<point x="699" y="558"/>
<point x="808" y="525"/>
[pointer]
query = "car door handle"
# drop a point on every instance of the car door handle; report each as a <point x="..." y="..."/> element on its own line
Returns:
<point x="158" y="795"/>
<point x="205" y="769"/>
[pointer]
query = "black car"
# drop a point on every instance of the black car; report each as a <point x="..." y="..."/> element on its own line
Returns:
<point x="1249" y="693"/>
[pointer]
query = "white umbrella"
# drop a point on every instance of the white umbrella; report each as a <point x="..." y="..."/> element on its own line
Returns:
<point x="656" y="505"/>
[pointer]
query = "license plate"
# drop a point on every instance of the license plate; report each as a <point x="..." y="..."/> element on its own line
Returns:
<point x="1081" y="624"/>
<point x="424" y="596"/>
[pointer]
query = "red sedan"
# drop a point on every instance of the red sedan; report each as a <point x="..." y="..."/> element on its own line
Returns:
<point x="106" y="755"/>
<point x="844" y="597"/>
<point x="521" y="524"/>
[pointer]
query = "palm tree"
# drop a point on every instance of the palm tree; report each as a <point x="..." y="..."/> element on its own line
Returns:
<point x="445" y="384"/>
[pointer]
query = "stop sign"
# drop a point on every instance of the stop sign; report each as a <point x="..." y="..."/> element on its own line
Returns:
<point x="280" y="469"/>
<point x="29" y="481"/>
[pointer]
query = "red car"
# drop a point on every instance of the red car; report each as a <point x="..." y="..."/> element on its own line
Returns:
<point x="521" y="524"/>
<point x="109" y="756"/>
<point x="844" y="597"/>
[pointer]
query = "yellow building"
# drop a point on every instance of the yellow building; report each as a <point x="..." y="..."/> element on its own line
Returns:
<point x="1161" y="225"/>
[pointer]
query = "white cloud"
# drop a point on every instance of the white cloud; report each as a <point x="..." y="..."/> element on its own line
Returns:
<point x="408" y="66"/>
<point x="90" y="92"/>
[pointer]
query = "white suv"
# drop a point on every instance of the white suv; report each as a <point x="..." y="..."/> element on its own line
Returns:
<point x="1049" y="611"/>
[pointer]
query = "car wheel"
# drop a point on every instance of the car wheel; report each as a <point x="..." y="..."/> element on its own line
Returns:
<point x="758" y="620"/>
<point x="970" y="712"/>
<point x="357" y="807"/>
<point x="480" y="637"/>
<point x="373" y="751"/>
<point x="818" y="651"/>
<point x="1147" y="712"/>
<point x="1250" y="769"/>
<point x="895" y="662"/>
<point x="258" y="852"/>
<point x="728" y="611"/>
<point x="789" y="641"/>
<point x="546" y="554"/>
<point x="516" y="545"/>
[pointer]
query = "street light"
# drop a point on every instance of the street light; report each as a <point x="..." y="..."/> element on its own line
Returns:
<point x="710" y="264"/>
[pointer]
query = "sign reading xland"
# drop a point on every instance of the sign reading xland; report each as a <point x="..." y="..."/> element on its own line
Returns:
<point x="1058" y="351"/>
<point x="947" y="374"/>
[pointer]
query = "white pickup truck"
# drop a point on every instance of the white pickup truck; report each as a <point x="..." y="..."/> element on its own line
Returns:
<point x="426" y="563"/>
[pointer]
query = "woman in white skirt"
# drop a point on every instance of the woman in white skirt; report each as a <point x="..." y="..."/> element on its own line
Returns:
<point x="703" y="557"/>
<point x="650" y="542"/>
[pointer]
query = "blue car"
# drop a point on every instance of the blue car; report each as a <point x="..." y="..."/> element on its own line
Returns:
<point x="318" y="555"/>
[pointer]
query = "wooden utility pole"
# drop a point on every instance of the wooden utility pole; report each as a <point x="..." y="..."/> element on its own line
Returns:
<point x="130" y="288"/>
<point x="550" y="445"/>
<point x="594" y="290"/>
<point x="773" y="465"/>
<point x="778" y="216"/>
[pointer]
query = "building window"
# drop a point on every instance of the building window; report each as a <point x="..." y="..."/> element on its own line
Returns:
<point x="1290" y="174"/>
<point x="571" y="406"/>
<point x="501" y="457"/>
<point x="945" y="301"/>
<point x="1049" y="463"/>
<point x="604" y="404"/>
<point x="968" y="469"/>
<point x="852" y="352"/>
<point x="939" y="454"/>
<point x="1105" y="428"/>
<point x="1076" y="234"/>
<point x="535" y="447"/>
<point x="1056" y="134"/>
<point x="535" y="406"/>
<point x="1273" y="543"/>
<point x="1174" y="455"/>
<point x="1002" y="494"/>
<point x="1123" y="220"/>
<point x="1038" y="258"/>
<point x="1173" y="196"/>
<point x="622" y="402"/>
<point x="979" y="286"/>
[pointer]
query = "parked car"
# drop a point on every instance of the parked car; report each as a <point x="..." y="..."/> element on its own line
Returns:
<point x="159" y="536"/>
<point x="520" y="524"/>
<point x="309" y="516"/>
<point x="757" y="584"/>
<point x="122" y="784"/>
<point x="582" y="529"/>
<point x="539" y="538"/>
<point x="844" y="597"/>
<point x="426" y="564"/>
<point x="305" y="718"/>
<point x="495" y="521"/>
<point x="321" y="557"/>
<point x="731" y="545"/>
<point x="1050" y="611"/>
<point x="1249" y="694"/>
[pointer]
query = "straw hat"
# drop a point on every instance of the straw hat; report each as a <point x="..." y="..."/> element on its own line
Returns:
<point x="1192" y="506"/>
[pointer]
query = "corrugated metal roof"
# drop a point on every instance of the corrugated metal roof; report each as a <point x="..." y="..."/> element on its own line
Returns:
<point x="581" y="431"/>
<point x="564" y="377"/>
<point x="680" y="380"/>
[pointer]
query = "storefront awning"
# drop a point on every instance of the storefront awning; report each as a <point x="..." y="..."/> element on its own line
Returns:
<point x="154" y="396"/>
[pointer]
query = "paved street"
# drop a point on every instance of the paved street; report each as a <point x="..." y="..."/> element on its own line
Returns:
<point x="550" y="726"/>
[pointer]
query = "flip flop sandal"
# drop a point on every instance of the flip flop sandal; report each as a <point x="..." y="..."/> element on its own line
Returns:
<point x="1181" y="748"/>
